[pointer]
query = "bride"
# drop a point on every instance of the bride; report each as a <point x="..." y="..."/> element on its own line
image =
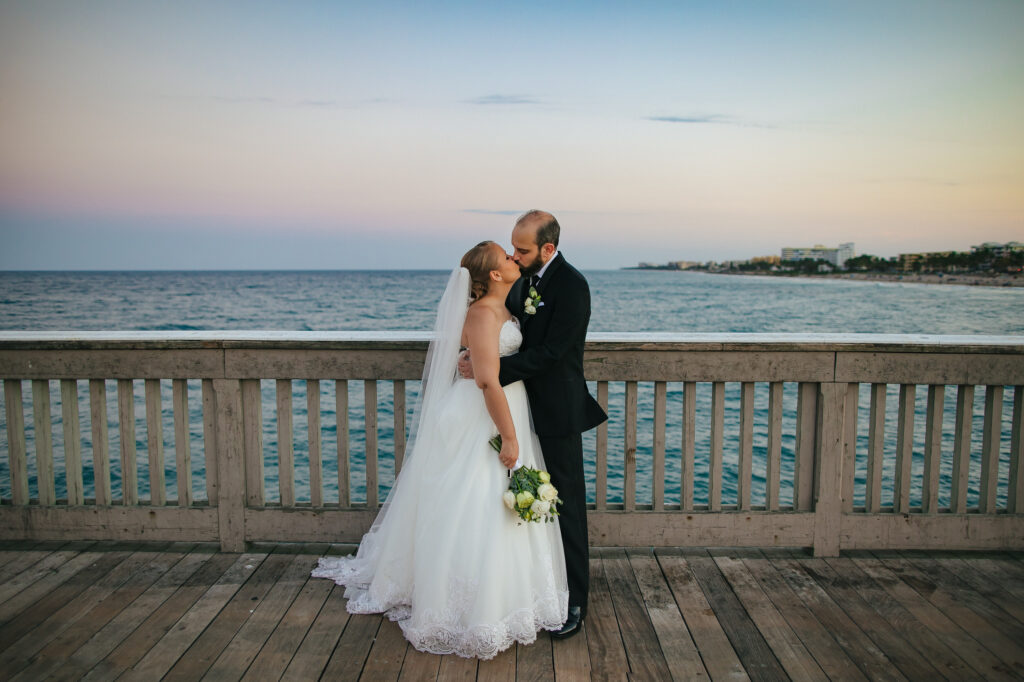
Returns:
<point x="445" y="558"/>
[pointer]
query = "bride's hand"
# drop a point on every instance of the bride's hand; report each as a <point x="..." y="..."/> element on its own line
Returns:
<point x="509" y="452"/>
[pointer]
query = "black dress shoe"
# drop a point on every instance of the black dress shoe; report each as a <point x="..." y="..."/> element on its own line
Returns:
<point x="573" y="624"/>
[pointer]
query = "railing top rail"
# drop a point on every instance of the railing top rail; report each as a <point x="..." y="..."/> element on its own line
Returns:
<point x="417" y="340"/>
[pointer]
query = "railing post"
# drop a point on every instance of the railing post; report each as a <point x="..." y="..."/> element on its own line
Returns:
<point x="230" y="464"/>
<point x="828" y="506"/>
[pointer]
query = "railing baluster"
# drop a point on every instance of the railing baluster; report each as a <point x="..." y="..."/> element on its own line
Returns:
<point x="1015" y="492"/>
<point x="904" y="448"/>
<point x="689" y="447"/>
<point x="252" y="437"/>
<point x="182" y="444"/>
<point x="746" y="454"/>
<point x="100" y="440"/>
<point x="316" y="486"/>
<point x="126" y="429"/>
<point x="629" y="450"/>
<point x="849" y="445"/>
<point x="962" y="448"/>
<point x="155" y="440"/>
<point x="658" y="487"/>
<point x="285" y="451"/>
<point x="44" y="441"/>
<point x="601" y="453"/>
<point x="932" y="449"/>
<point x="806" y="429"/>
<point x="876" y="449"/>
<point x="72" y="440"/>
<point x="990" y="448"/>
<point x="210" y="442"/>
<point x="774" y="463"/>
<point x="341" y="428"/>
<point x="399" y="400"/>
<point x="16" y="441"/>
<point x="370" y="412"/>
<point x="717" y="436"/>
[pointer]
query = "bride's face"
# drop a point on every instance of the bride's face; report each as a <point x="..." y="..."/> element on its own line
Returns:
<point x="507" y="266"/>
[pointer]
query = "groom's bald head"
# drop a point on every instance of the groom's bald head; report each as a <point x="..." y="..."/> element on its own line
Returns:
<point x="541" y="225"/>
<point x="534" y="240"/>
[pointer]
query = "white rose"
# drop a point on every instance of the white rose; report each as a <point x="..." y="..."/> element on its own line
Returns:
<point x="530" y="310"/>
<point x="547" y="492"/>
<point x="540" y="508"/>
<point x="509" y="498"/>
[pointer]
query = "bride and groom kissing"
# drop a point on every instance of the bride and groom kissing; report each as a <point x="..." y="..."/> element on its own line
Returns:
<point x="444" y="557"/>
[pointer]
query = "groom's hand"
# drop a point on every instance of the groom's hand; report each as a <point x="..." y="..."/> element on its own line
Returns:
<point x="465" y="365"/>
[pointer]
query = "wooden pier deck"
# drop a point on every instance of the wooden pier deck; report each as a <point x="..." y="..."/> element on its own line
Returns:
<point x="187" y="611"/>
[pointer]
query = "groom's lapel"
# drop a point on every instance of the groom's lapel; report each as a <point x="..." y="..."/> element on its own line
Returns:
<point x="544" y="284"/>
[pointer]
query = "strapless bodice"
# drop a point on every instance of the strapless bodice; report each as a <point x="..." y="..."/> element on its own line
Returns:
<point x="509" y="338"/>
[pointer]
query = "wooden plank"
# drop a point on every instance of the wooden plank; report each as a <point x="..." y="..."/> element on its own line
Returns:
<point x="341" y="426"/>
<point x="638" y="634"/>
<point x="370" y="415"/>
<point x="991" y="433"/>
<point x="849" y="578"/>
<point x="28" y="567"/>
<point x="876" y="449"/>
<point x="72" y="440"/>
<point x="927" y="531"/>
<point x="681" y="655"/>
<point x="604" y="639"/>
<point x="819" y="580"/>
<point x="828" y="505"/>
<point x="717" y="439"/>
<point x="784" y="642"/>
<point x="818" y="640"/>
<point x="418" y="665"/>
<point x="50" y="592"/>
<point x="377" y="362"/>
<point x="904" y="449"/>
<point x="44" y="441"/>
<point x="252" y="430"/>
<point x="719" y="656"/>
<point x="774" y="457"/>
<point x="501" y="668"/>
<point x="534" y="662"/>
<point x="459" y="669"/>
<point x="711" y="365"/>
<point x="231" y="464"/>
<point x="182" y="444"/>
<point x="629" y="449"/>
<point x="849" y="445"/>
<point x="275" y="655"/>
<point x="126" y="429"/>
<point x="350" y="655"/>
<point x="117" y="522"/>
<point x="986" y="576"/>
<point x="962" y="448"/>
<point x="858" y="646"/>
<point x="932" y="449"/>
<point x="806" y="428"/>
<point x="658" y="450"/>
<point x="571" y="656"/>
<point x="1015" y="486"/>
<point x="751" y="648"/>
<point x="984" y="662"/>
<point x="746" y="453"/>
<point x="601" y="452"/>
<point x="100" y="440"/>
<point x="155" y="443"/>
<point x="285" y="443"/>
<point x="689" y="447"/>
<point x="244" y="647"/>
<point x="161" y="621"/>
<point x="399" y="423"/>
<point x="16" y="441"/>
<point x="210" y="441"/>
<point x="316" y="485"/>
<point x="929" y="368"/>
<point x="72" y="363"/>
<point x="319" y="641"/>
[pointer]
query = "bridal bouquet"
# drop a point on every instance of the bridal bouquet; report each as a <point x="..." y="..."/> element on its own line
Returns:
<point x="530" y="493"/>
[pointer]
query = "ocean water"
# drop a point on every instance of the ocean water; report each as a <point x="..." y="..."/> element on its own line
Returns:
<point x="629" y="300"/>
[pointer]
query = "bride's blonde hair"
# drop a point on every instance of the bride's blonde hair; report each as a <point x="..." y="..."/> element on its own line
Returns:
<point x="480" y="261"/>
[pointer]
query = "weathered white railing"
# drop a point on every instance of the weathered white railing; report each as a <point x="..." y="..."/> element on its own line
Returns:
<point x="807" y="477"/>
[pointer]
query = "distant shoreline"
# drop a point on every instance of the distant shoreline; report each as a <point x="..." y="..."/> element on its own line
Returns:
<point x="974" y="280"/>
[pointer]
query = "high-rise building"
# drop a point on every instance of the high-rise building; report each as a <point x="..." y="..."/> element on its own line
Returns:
<point x="836" y="256"/>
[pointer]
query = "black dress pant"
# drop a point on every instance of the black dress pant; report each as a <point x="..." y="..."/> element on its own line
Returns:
<point x="563" y="456"/>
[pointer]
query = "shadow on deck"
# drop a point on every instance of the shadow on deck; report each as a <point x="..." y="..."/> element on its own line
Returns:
<point x="188" y="611"/>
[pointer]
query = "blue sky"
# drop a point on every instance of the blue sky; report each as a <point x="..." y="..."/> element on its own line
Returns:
<point x="145" y="135"/>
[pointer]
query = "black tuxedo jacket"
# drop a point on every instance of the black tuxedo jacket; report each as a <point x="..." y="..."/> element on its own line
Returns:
<point x="550" y="361"/>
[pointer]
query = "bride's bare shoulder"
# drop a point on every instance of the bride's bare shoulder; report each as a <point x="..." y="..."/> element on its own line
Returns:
<point x="483" y="315"/>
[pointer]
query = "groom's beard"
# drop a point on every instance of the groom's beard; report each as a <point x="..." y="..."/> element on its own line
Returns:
<point x="531" y="269"/>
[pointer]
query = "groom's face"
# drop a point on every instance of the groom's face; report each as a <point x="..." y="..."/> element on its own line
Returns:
<point x="525" y="251"/>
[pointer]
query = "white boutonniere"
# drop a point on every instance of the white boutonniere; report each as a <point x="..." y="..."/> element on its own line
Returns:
<point x="532" y="302"/>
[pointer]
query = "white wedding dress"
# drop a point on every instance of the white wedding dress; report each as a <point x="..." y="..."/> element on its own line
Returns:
<point x="445" y="558"/>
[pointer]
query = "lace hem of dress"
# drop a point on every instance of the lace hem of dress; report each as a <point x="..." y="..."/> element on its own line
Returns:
<point x="439" y="633"/>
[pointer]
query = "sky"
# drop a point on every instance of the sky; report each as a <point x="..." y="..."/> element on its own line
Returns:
<point x="334" y="135"/>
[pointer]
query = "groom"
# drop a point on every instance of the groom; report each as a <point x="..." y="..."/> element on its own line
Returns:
<point x="550" y="363"/>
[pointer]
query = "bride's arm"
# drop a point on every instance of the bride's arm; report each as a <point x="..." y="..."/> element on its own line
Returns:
<point x="482" y="330"/>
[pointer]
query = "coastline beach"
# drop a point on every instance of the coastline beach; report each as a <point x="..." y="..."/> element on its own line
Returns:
<point x="966" y="279"/>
